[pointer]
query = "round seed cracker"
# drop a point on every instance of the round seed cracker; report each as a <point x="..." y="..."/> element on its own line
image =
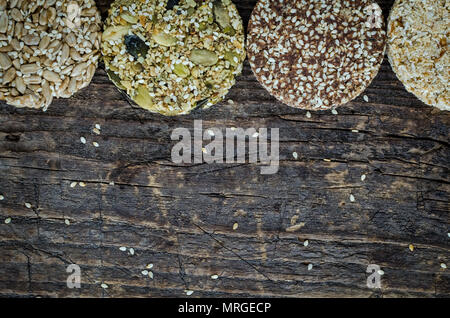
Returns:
<point x="172" y="56"/>
<point x="48" y="49"/>
<point x="418" y="48"/>
<point x="316" y="54"/>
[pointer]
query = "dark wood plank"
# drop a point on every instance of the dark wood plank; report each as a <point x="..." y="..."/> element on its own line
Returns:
<point x="180" y="217"/>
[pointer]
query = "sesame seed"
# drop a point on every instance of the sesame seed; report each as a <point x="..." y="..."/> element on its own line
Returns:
<point x="97" y="126"/>
<point x="144" y="272"/>
<point x="189" y="292"/>
<point x="104" y="286"/>
<point x="363" y="177"/>
<point x="230" y="101"/>
<point x="310" y="267"/>
<point x="28" y="205"/>
<point x="149" y="266"/>
<point x="111" y="183"/>
<point x="411" y="247"/>
<point x="96" y="131"/>
<point x="295" y="155"/>
<point x="355" y="130"/>
<point x="305" y="243"/>
<point x="327" y="160"/>
<point x="150" y="274"/>
<point x="123" y="248"/>
<point x="83" y="140"/>
<point x="204" y="150"/>
<point x="443" y="265"/>
<point x="82" y="184"/>
<point x="73" y="184"/>
<point x="235" y="226"/>
<point x="131" y="250"/>
<point x="380" y="272"/>
<point x="214" y="276"/>
<point x="67" y="221"/>
<point x="2" y="197"/>
<point x="334" y="111"/>
<point x="7" y="220"/>
<point x="255" y="135"/>
<point x="366" y="98"/>
<point x="352" y="198"/>
<point x="308" y="114"/>
<point x="96" y="144"/>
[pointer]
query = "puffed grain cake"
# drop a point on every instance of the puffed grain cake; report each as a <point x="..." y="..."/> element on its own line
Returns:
<point x="48" y="49"/>
<point x="172" y="56"/>
<point x="316" y="54"/>
<point x="418" y="33"/>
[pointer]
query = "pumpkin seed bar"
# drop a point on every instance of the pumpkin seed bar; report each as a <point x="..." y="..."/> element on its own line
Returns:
<point x="418" y="48"/>
<point x="316" y="54"/>
<point x="173" y="56"/>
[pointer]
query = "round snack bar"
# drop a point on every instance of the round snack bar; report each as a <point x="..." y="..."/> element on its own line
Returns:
<point x="316" y="54"/>
<point x="173" y="56"/>
<point x="418" y="48"/>
<point x="48" y="49"/>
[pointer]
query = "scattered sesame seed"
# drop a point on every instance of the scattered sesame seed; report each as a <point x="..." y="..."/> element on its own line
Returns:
<point x="448" y="234"/>
<point x="230" y="101"/>
<point x="327" y="160"/>
<point x="255" y="135"/>
<point x="308" y="114"/>
<point x="83" y="140"/>
<point x="363" y="177"/>
<point x="123" y="248"/>
<point x="96" y="144"/>
<point x="366" y="98"/>
<point x="104" y="286"/>
<point x="145" y="272"/>
<point x="96" y="131"/>
<point x="150" y="274"/>
<point x="2" y="197"/>
<point x="305" y="243"/>
<point x="355" y="130"/>
<point x="334" y="111"/>
<point x="214" y="276"/>
<point x="295" y="155"/>
<point x="310" y="267"/>
<point x="111" y="183"/>
<point x="235" y="226"/>
<point x="67" y="221"/>
<point x="380" y="272"/>
<point x="97" y="126"/>
<point x="7" y="220"/>
<point x="82" y="184"/>
<point x="73" y="184"/>
<point x="352" y="198"/>
<point x="411" y="247"/>
<point x="131" y="250"/>
<point x="204" y="150"/>
<point x="28" y="205"/>
<point x="189" y="292"/>
<point x="443" y="265"/>
<point x="149" y="266"/>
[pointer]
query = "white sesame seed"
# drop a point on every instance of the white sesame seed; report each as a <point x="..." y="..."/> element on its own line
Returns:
<point x="83" y="140"/>
<point x="204" y="150"/>
<point x="411" y="247"/>
<point x="131" y="250"/>
<point x="96" y="144"/>
<point x="230" y="101"/>
<point x="308" y="114"/>
<point x="380" y="272"/>
<point x="98" y="126"/>
<point x="96" y="131"/>
<point x="82" y="184"/>
<point x="366" y="98"/>
<point x="214" y="276"/>
<point x="73" y="184"/>
<point x="255" y="135"/>
<point x="189" y="292"/>
<point x="28" y="205"/>
<point x="7" y="220"/>
<point x="355" y="130"/>
<point x="150" y="274"/>
<point x="145" y="272"/>
<point x="149" y="266"/>
<point x="363" y="177"/>
<point x="305" y="243"/>
<point x="104" y="286"/>
<point x="295" y="155"/>
<point x="111" y="183"/>
<point x="334" y="111"/>
<point x="2" y="197"/>
<point x="235" y="226"/>
<point x="443" y="265"/>
<point x="310" y="267"/>
<point x="352" y="198"/>
<point x="123" y="248"/>
<point x="67" y="221"/>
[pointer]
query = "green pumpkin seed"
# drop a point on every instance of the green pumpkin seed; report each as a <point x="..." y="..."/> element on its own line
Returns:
<point x="221" y="14"/>
<point x="143" y="98"/>
<point x="164" y="39"/>
<point x="231" y="57"/>
<point x="181" y="70"/>
<point x="203" y="57"/>
<point x="115" y="79"/>
<point x="115" y="33"/>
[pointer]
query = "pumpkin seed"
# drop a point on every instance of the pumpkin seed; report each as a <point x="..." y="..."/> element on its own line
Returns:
<point x="135" y="46"/>
<point x="164" y="39"/>
<point x="129" y="18"/>
<point x="203" y="57"/>
<point x="171" y="4"/>
<point x="115" y="33"/>
<point x="143" y="98"/>
<point x="115" y="79"/>
<point x="181" y="70"/>
<point x="202" y="102"/>
<point x="232" y="57"/>
<point x="221" y="15"/>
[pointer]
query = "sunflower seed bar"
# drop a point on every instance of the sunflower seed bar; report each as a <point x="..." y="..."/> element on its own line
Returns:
<point x="48" y="49"/>
<point x="418" y="33"/>
<point x="173" y="56"/>
<point x="315" y="54"/>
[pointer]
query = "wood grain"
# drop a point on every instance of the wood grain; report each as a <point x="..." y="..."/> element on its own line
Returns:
<point x="180" y="217"/>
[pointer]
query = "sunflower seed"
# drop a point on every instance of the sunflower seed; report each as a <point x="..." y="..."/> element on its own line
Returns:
<point x="5" y="61"/>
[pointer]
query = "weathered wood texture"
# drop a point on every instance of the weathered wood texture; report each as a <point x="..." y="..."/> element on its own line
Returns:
<point x="180" y="217"/>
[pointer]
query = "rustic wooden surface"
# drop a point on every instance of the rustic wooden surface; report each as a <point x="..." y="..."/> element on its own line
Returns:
<point x="180" y="217"/>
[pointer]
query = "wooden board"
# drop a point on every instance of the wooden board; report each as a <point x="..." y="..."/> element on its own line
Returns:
<point x="180" y="217"/>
